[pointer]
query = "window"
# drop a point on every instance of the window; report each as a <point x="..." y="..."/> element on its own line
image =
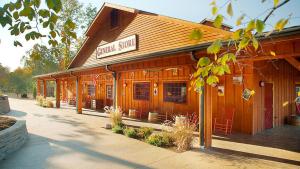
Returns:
<point x="141" y="91"/>
<point x="109" y="92"/>
<point x="91" y="90"/>
<point x="175" y="92"/>
<point x="114" y="18"/>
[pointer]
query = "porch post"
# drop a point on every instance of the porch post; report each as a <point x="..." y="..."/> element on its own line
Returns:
<point x="208" y="117"/>
<point x="57" y="93"/>
<point x="38" y="87"/>
<point x="63" y="90"/>
<point x="114" y="89"/>
<point x="45" y="88"/>
<point x="201" y="118"/>
<point x="79" y="95"/>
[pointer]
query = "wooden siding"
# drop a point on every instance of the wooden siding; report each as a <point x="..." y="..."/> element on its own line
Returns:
<point x="283" y="76"/>
<point x="155" y="33"/>
<point x="233" y="98"/>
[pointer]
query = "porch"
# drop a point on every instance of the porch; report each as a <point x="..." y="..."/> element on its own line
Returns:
<point x="280" y="144"/>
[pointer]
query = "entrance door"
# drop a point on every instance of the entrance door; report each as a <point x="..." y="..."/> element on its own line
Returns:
<point x="268" y="105"/>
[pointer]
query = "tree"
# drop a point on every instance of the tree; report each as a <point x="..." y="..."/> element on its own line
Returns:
<point x="27" y="17"/>
<point x="243" y="41"/>
<point x="40" y="60"/>
<point x="4" y="74"/>
<point x="20" y="81"/>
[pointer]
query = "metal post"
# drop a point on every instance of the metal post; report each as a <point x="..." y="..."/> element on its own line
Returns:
<point x="201" y="123"/>
<point x="114" y="89"/>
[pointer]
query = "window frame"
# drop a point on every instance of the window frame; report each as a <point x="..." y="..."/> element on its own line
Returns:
<point x="88" y="90"/>
<point x="170" y="100"/>
<point x="114" y="15"/>
<point x="133" y="90"/>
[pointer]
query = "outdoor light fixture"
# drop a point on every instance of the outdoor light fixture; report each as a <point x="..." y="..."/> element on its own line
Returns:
<point x="261" y="83"/>
<point x="124" y="84"/>
<point x="155" y="84"/>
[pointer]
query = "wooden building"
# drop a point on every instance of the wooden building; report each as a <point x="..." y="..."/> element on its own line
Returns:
<point x="144" y="61"/>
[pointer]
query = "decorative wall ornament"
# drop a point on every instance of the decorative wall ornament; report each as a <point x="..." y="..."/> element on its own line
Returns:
<point x="247" y="93"/>
<point x="221" y="90"/>
<point x="237" y="79"/>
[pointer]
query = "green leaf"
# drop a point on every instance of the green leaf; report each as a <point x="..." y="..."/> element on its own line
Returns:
<point x="237" y="34"/>
<point x="44" y="13"/>
<point x="196" y="35"/>
<point x="53" y="18"/>
<point x="244" y="42"/>
<point x="16" y="15"/>
<point x="22" y="27"/>
<point x="17" y="43"/>
<point x="255" y="43"/>
<point x="18" y="5"/>
<point x="214" y="10"/>
<point x="218" y="21"/>
<point x="281" y="24"/>
<point x="239" y="20"/>
<point x="45" y="24"/>
<point x="27" y="36"/>
<point x="230" y="10"/>
<point x="276" y="3"/>
<point x="56" y="5"/>
<point x="215" y="47"/>
<point x="37" y="3"/>
<point x="50" y="4"/>
<point x="260" y="26"/>
<point x="212" y="79"/>
<point x="53" y="34"/>
<point x="203" y="61"/>
<point x="250" y="26"/>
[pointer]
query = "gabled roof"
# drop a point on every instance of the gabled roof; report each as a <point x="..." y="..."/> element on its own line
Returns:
<point x="214" y="33"/>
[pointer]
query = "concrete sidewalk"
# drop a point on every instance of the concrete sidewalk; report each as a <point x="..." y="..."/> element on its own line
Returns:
<point x="62" y="139"/>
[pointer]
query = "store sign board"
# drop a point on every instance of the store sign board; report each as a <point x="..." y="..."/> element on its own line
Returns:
<point x="120" y="46"/>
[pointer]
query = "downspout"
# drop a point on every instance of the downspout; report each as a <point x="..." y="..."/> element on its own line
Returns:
<point x="114" y="74"/>
<point x="201" y="113"/>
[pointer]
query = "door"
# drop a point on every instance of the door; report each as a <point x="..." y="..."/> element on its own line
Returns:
<point x="268" y="105"/>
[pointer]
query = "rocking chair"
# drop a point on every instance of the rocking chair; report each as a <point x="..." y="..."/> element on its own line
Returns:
<point x="224" y="124"/>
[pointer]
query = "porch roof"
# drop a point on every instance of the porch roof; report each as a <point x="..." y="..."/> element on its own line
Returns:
<point x="285" y="32"/>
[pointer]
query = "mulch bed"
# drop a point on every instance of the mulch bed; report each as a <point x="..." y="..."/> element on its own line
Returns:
<point x="6" y="122"/>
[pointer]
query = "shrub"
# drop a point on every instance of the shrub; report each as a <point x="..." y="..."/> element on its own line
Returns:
<point x="162" y="139"/>
<point x="144" y="132"/>
<point x="130" y="132"/>
<point x="118" y="129"/>
<point x="49" y="103"/>
<point x="39" y="100"/>
<point x="183" y="135"/>
<point x="115" y="115"/>
<point x="1" y="94"/>
<point x="24" y="95"/>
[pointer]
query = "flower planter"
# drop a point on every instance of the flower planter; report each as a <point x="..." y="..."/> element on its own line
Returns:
<point x="152" y="117"/>
<point x="4" y="105"/>
<point x="180" y="120"/>
<point x="12" y="138"/>
<point x="132" y="113"/>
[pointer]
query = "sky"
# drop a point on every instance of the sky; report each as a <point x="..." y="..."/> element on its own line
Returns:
<point x="191" y="10"/>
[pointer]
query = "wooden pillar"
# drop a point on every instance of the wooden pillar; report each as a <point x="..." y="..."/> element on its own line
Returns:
<point x="208" y="117"/>
<point x="115" y="89"/>
<point x="45" y="88"/>
<point x="63" y="90"/>
<point x="79" y="95"/>
<point x="57" y="93"/>
<point x="38" y="87"/>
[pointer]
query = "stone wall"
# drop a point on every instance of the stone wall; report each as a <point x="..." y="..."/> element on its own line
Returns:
<point x="4" y="105"/>
<point x="11" y="139"/>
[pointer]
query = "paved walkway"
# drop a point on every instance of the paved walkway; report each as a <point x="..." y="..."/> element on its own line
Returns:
<point x="62" y="139"/>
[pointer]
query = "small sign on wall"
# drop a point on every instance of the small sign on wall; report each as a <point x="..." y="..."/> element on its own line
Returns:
<point x="221" y="90"/>
<point x="237" y="79"/>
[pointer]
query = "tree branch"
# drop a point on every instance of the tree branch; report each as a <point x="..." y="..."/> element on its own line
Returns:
<point x="273" y="9"/>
